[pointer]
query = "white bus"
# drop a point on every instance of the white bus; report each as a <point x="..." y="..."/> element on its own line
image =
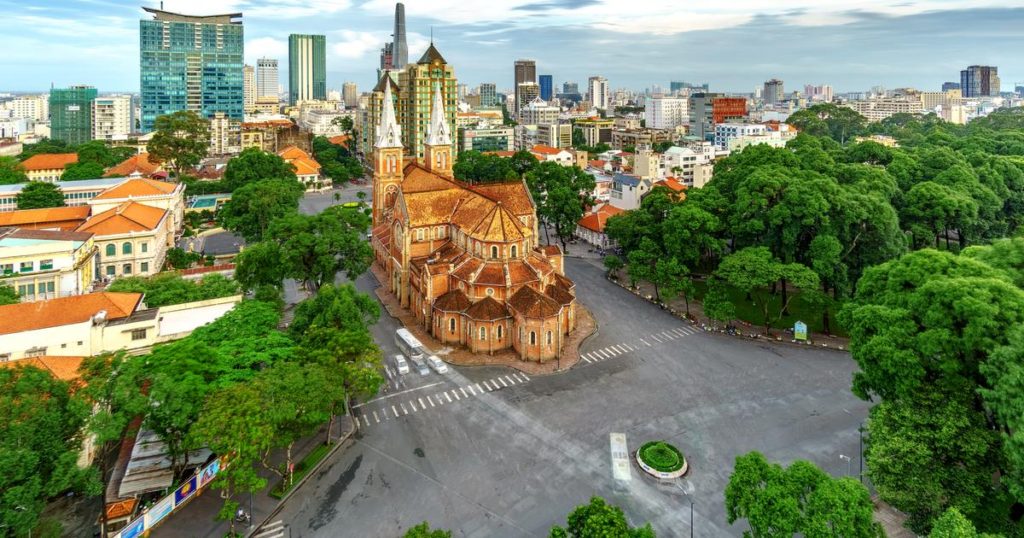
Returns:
<point x="409" y="345"/>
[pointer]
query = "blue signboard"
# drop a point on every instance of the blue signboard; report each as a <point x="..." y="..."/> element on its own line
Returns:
<point x="159" y="511"/>
<point x="209" y="473"/>
<point x="185" y="491"/>
<point x="134" y="528"/>
<point x="800" y="330"/>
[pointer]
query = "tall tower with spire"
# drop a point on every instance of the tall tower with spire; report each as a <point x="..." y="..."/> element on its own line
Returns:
<point x="401" y="47"/>
<point x="437" y="149"/>
<point x="388" y="158"/>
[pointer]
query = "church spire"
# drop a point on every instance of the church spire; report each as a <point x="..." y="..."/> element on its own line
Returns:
<point x="389" y="133"/>
<point x="440" y="131"/>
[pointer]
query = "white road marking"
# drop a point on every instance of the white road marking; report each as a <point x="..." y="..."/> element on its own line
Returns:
<point x="397" y="394"/>
<point x="587" y="359"/>
<point x="488" y="387"/>
<point x="375" y="417"/>
<point x="404" y="410"/>
<point x="412" y="404"/>
<point x="463" y="392"/>
<point x="621" y="348"/>
<point x="527" y="378"/>
<point x="446" y="396"/>
<point x="655" y="338"/>
<point x="521" y="380"/>
<point x="471" y="391"/>
<point x="479" y="389"/>
<point x="395" y="409"/>
<point x="645" y="342"/>
<point x="602" y="354"/>
<point x="431" y="401"/>
<point x="612" y="350"/>
<point x="422" y="405"/>
<point x="510" y="380"/>
<point x="366" y="420"/>
<point x="387" y="371"/>
<point x="456" y="394"/>
<point x="503" y="383"/>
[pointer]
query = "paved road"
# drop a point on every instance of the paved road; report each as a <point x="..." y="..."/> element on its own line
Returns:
<point x="488" y="452"/>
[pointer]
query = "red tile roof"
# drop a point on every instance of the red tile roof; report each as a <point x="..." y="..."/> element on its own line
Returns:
<point x="134" y="188"/>
<point x="64" y="218"/>
<point x="63" y="368"/>
<point x="22" y="317"/>
<point x="671" y="183"/>
<point x="49" y="161"/>
<point x="596" y="220"/>
<point x="140" y="165"/>
<point x="545" y="150"/>
<point x="126" y="217"/>
<point x="532" y="304"/>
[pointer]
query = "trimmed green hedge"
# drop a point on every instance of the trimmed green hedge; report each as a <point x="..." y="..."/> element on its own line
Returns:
<point x="661" y="456"/>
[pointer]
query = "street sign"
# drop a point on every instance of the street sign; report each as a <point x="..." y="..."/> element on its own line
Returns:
<point x="800" y="330"/>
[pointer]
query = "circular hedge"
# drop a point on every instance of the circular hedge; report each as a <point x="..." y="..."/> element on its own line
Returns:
<point x="661" y="456"/>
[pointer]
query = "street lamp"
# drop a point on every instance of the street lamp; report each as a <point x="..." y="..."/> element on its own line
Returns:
<point x="848" y="460"/>
<point x="860" y="451"/>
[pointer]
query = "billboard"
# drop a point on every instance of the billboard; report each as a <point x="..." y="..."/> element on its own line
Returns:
<point x="185" y="491"/>
<point x="159" y="511"/>
<point x="134" y="529"/>
<point x="800" y="330"/>
<point x="209" y="473"/>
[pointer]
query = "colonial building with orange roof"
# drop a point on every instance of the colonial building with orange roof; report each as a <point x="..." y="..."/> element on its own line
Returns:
<point x="48" y="167"/>
<point x="591" y="227"/>
<point x="146" y="191"/>
<point x="465" y="259"/>
<point x="306" y="168"/>
<point x="136" y="166"/>
<point x="132" y="239"/>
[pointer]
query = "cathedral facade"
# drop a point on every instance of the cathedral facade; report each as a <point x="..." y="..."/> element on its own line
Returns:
<point x="463" y="258"/>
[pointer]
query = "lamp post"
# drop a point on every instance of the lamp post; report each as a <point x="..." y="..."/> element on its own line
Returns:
<point x="860" y="451"/>
<point x="848" y="461"/>
<point x="691" y="519"/>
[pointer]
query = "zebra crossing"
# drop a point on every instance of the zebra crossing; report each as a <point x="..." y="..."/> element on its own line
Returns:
<point x="403" y="404"/>
<point x="646" y="341"/>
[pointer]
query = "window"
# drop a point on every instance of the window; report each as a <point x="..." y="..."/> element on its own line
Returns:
<point x="513" y="251"/>
<point x="6" y="268"/>
<point x="48" y="287"/>
<point x="490" y="292"/>
<point x="35" y="352"/>
<point x="27" y="290"/>
<point x="494" y="252"/>
<point x="138" y="334"/>
<point x="451" y="324"/>
<point x="45" y="265"/>
<point x="5" y="357"/>
<point x="499" y="332"/>
<point x="144" y="267"/>
<point x="533" y="338"/>
<point x="549" y="338"/>
<point x="419" y="234"/>
<point x="110" y="270"/>
<point x="483" y="333"/>
<point x="126" y="248"/>
<point x="27" y="267"/>
<point x="127" y="269"/>
<point x="145" y="247"/>
<point x="111" y="250"/>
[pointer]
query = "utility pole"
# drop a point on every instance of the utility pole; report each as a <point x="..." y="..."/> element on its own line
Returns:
<point x="848" y="460"/>
<point x="691" y="519"/>
<point x="860" y="450"/>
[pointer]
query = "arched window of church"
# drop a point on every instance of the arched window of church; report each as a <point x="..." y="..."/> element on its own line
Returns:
<point x="513" y="251"/>
<point x="451" y="324"/>
<point x="533" y="338"/>
<point x="494" y="252"/>
<point x="499" y="332"/>
<point x="549" y="338"/>
<point x="483" y="333"/>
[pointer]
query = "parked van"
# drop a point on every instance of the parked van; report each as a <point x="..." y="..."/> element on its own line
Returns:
<point x="409" y="345"/>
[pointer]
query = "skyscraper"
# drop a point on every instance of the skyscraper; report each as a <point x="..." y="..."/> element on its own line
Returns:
<point x="525" y="71"/>
<point x="307" y="68"/>
<point x="946" y="86"/>
<point x="266" y="78"/>
<point x="570" y="87"/>
<point x="71" y="114"/>
<point x="400" y="50"/>
<point x="112" y="117"/>
<point x="249" y="87"/>
<point x="488" y="94"/>
<point x="547" y="87"/>
<point x="980" y="81"/>
<point x="774" y="92"/>
<point x="598" y="91"/>
<point x="350" y="94"/>
<point x="191" y="63"/>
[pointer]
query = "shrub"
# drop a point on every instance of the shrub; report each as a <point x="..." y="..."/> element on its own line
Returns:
<point x="661" y="456"/>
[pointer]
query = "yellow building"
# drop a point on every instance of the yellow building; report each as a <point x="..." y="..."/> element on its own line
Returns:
<point x="45" y="264"/>
<point x="132" y="239"/>
<point x="48" y="167"/>
<point x="149" y="192"/>
<point x="465" y="258"/>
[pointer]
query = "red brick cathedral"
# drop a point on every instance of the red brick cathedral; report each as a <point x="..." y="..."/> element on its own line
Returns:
<point x="464" y="258"/>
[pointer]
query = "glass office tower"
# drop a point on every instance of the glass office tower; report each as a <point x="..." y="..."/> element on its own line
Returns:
<point x="191" y="63"/>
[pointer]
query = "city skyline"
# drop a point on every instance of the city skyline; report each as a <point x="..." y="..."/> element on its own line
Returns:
<point x="919" y="44"/>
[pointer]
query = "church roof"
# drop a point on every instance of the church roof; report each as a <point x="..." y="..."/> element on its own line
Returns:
<point x="430" y="55"/>
<point x="498" y="225"/>
<point x="487" y="309"/>
<point x="513" y="195"/>
<point x="389" y="132"/>
<point x="453" y="301"/>
<point x="559" y="295"/>
<point x="532" y="304"/>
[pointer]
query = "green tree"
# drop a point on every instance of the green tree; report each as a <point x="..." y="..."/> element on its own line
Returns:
<point x="800" y="499"/>
<point x="253" y="165"/>
<point x="82" y="170"/>
<point x="261" y="264"/>
<point x="255" y="205"/>
<point x="180" y="139"/>
<point x="827" y="119"/>
<point x="561" y="194"/>
<point x="613" y="264"/>
<point x="38" y="195"/>
<point x="11" y="171"/>
<point x="45" y="145"/>
<point x="717" y="305"/>
<point x="641" y="264"/>
<point x="170" y="289"/>
<point x="598" y="518"/>
<point x="423" y="530"/>
<point x="177" y="258"/>
<point x="755" y="272"/>
<point x="672" y="279"/>
<point x="953" y="524"/>
<point x="41" y="427"/>
<point x="8" y="295"/>
<point x="522" y="162"/>
<point x="315" y="248"/>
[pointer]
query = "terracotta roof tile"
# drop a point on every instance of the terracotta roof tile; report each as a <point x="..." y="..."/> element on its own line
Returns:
<point x="499" y="226"/>
<point x="47" y="235"/>
<point x="492" y="274"/>
<point x="672" y="184"/>
<point x="57" y="217"/>
<point x="49" y="161"/>
<point x="597" y="219"/>
<point x="139" y="164"/>
<point x="564" y="282"/>
<point x="560" y="296"/>
<point x="306" y="167"/>
<point x="487" y="309"/>
<point x="453" y="301"/>
<point x="467" y="269"/>
<point x="293" y="152"/>
<point x="340" y="140"/>
<point x="120" y="509"/>
<point x="520" y="273"/>
<point x="545" y="150"/>
<point x="63" y="368"/>
<point x="532" y="304"/>
<point x="66" y="310"/>
<point x="550" y="250"/>
<point x="513" y="195"/>
<point x="136" y="188"/>
<point x="126" y="217"/>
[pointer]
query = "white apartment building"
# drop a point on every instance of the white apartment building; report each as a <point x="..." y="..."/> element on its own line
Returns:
<point x="225" y="135"/>
<point x="667" y="112"/>
<point x="350" y="94"/>
<point x="598" y="92"/>
<point x="538" y="112"/>
<point x="555" y="135"/>
<point x="882" y="108"/>
<point x="112" y="117"/>
<point x="320" y="122"/>
<point x="46" y="264"/>
<point x="249" y="88"/>
<point x="727" y="131"/>
<point x="266" y="78"/>
<point x="32" y="107"/>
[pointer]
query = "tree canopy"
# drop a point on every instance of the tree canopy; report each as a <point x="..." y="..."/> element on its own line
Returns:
<point x="11" y="171"/>
<point x="169" y="289"/>
<point x="253" y="165"/>
<point x="255" y="205"/>
<point x="181" y="139"/>
<point x="598" y="518"/>
<point x="39" y="195"/>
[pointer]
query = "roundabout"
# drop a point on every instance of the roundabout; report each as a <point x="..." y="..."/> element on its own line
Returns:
<point x="661" y="460"/>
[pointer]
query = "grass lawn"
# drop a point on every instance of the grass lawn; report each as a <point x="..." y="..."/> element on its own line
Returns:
<point x="301" y="469"/>
<point x="799" y="310"/>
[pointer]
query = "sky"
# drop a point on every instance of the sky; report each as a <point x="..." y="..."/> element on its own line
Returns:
<point x="733" y="45"/>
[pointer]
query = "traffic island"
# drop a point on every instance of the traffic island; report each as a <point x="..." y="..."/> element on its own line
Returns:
<point x="662" y="460"/>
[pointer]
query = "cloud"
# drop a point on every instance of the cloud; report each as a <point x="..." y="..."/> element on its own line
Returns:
<point x="269" y="9"/>
<point x="353" y="44"/>
<point x="265" y="47"/>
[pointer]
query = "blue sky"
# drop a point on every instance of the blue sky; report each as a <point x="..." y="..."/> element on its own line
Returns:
<point x="734" y="45"/>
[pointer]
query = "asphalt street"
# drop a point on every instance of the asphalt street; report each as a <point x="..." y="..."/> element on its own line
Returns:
<point x="492" y="452"/>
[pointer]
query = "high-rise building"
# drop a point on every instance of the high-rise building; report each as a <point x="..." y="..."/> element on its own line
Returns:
<point x="416" y="89"/>
<point x="524" y="71"/>
<point x="525" y="93"/>
<point x="112" y="117"/>
<point x="307" y="68"/>
<point x="71" y="114"/>
<point x="191" y="63"/>
<point x="980" y="81"/>
<point x="249" y="87"/>
<point x="547" y="87"/>
<point x="488" y="94"/>
<point x="774" y="92"/>
<point x="946" y="86"/>
<point x="266" y="78"/>
<point x="401" y="48"/>
<point x="32" y="107"/>
<point x="598" y="92"/>
<point x="350" y="94"/>
<point x="570" y="87"/>
<point x="666" y="112"/>
<point x="710" y="109"/>
<point x="387" y="58"/>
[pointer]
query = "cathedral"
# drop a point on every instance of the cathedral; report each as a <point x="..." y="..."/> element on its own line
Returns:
<point x="463" y="258"/>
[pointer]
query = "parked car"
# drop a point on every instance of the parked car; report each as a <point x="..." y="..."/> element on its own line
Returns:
<point x="438" y="365"/>
<point x="421" y="365"/>
<point x="401" y="364"/>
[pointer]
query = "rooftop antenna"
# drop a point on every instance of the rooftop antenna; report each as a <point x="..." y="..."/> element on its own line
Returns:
<point x="431" y="34"/>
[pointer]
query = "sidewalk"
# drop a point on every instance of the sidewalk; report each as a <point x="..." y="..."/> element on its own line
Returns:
<point x="198" y="519"/>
